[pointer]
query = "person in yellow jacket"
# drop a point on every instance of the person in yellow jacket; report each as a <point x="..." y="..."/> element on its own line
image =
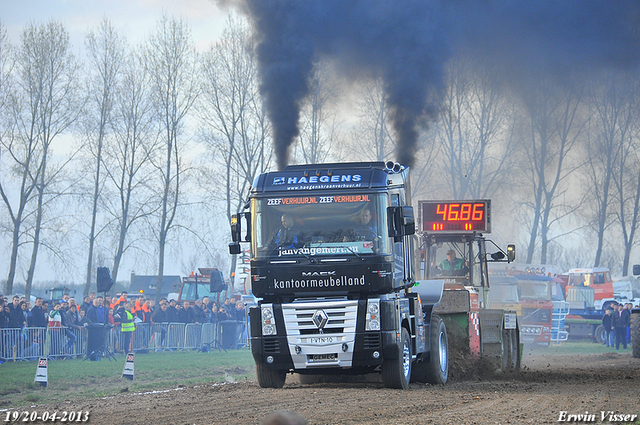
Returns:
<point x="127" y="327"/>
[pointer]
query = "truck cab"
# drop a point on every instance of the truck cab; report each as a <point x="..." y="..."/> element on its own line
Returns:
<point x="332" y="263"/>
<point x="590" y="289"/>
<point x="207" y="282"/>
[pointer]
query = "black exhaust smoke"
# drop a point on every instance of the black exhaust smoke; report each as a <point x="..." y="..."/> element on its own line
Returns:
<point x="408" y="42"/>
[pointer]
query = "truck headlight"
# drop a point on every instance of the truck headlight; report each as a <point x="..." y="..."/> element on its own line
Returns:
<point x="267" y="313"/>
<point x="268" y="322"/>
<point x="373" y="317"/>
<point x="268" y="330"/>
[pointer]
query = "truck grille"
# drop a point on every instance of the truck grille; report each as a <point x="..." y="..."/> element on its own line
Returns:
<point x="299" y="317"/>
<point x="271" y="346"/>
<point x="371" y="341"/>
<point x="536" y="315"/>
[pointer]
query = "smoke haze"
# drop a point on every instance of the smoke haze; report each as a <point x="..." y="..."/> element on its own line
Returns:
<point x="407" y="43"/>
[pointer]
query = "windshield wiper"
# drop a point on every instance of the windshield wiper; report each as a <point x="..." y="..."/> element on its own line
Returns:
<point x="353" y="251"/>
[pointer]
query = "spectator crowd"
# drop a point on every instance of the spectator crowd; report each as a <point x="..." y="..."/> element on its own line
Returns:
<point x="616" y="322"/>
<point x="24" y="329"/>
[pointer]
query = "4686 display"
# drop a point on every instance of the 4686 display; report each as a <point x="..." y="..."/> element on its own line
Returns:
<point x="25" y="416"/>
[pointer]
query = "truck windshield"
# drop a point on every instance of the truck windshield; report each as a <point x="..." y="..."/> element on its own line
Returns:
<point x="580" y="279"/>
<point x="192" y="291"/>
<point x="450" y="259"/>
<point x="532" y="290"/>
<point x="310" y="225"/>
<point x="503" y="293"/>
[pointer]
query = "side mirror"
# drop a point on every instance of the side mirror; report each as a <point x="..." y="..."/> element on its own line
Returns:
<point x="247" y="217"/>
<point x="636" y="269"/>
<point x="235" y="228"/>
<point x="511" y="253"/>
<point x="409" y="222"/>
<point x="400" y="222"/>
<point x="234" y="248"/>
<point x="393" y="225"/>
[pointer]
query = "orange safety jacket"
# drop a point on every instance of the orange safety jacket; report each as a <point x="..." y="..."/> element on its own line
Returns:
<point x="118" y="301"/>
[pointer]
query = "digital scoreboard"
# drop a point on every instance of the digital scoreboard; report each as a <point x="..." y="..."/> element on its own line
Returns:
<point x="455" y="216"/>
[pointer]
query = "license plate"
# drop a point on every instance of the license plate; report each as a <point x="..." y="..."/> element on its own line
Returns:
<point x="321" y="340"/>
<point x="321" y="357"/>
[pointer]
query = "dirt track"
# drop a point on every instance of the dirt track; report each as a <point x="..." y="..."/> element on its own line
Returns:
<point x="545" y="387"/>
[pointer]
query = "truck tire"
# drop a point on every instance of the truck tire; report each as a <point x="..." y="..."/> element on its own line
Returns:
<point x="635" y="334"/>
<point x="600" y="334"/>
<point x="506" y="350"/>
<point x="438" y="367"/>
<point x="270" y="378"/>
<point x="514" y="357"/>
<point x="511" y="354"/>
<point x="396" y="373"/>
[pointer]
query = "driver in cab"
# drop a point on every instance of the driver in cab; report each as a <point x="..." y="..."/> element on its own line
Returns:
<point x="365" y="230"/>
<point x="453" y="266"/>
<point x="285" y="237"/>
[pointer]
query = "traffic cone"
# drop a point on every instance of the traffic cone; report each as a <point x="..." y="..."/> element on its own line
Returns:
<point x="41" y="372"/>
<point x="128" y="367"/>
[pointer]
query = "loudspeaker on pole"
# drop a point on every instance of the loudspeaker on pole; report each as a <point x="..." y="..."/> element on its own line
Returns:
<point x="41" y="372"/>
<point x="103" y="279"/>
<point x="128" y="367"/>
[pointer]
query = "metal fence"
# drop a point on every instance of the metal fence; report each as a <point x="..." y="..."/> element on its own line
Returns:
<point x="62" y="343"/>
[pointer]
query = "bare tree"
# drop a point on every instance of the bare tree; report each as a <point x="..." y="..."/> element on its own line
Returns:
<point x="372" y="132"/>
<point x="627" y="184"/>
<point x="614" y="108"/>
<point x="45" y="105"/>
<point x="554" y="128"/>
<point x="6" y="74"/>
<point x="15" y="157"/>
<point x="475" y="132"/>
<point x="170" y="60"/>
<point x="47" y="51"/>
<point x="232" y="115"/>
<point x="621" y="108"/>
<point x="319" y="129"/>
<point x="106" y="52"/>
<point x="127" y="156"/>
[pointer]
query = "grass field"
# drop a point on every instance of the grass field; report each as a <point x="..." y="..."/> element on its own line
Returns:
<point x="72" y="379"/>
<point x="585" y="347"/>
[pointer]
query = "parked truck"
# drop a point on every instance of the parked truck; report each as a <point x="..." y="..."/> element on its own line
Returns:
<point x="589" y="292"/>
<point x="207" y="282"/>
<point x="335" y="271"/>
<point x="541" y="306"/>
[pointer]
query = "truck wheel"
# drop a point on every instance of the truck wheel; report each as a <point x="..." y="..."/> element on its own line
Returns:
<point x="506" y="350"/>
<point x="270" y="378"/>
<point x="600" y="334"/>
<point x="511" y="351"/>
<point x="635" y="334"/>
<point x="438" y="366"/>
<point x="396" y="373"/>
<point x="514" y="355"/>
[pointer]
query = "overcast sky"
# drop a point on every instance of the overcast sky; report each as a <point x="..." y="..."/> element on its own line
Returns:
<point x="132" y="18"/>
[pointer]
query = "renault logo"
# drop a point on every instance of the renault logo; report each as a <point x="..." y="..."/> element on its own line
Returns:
<point x="320" y="318"/>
